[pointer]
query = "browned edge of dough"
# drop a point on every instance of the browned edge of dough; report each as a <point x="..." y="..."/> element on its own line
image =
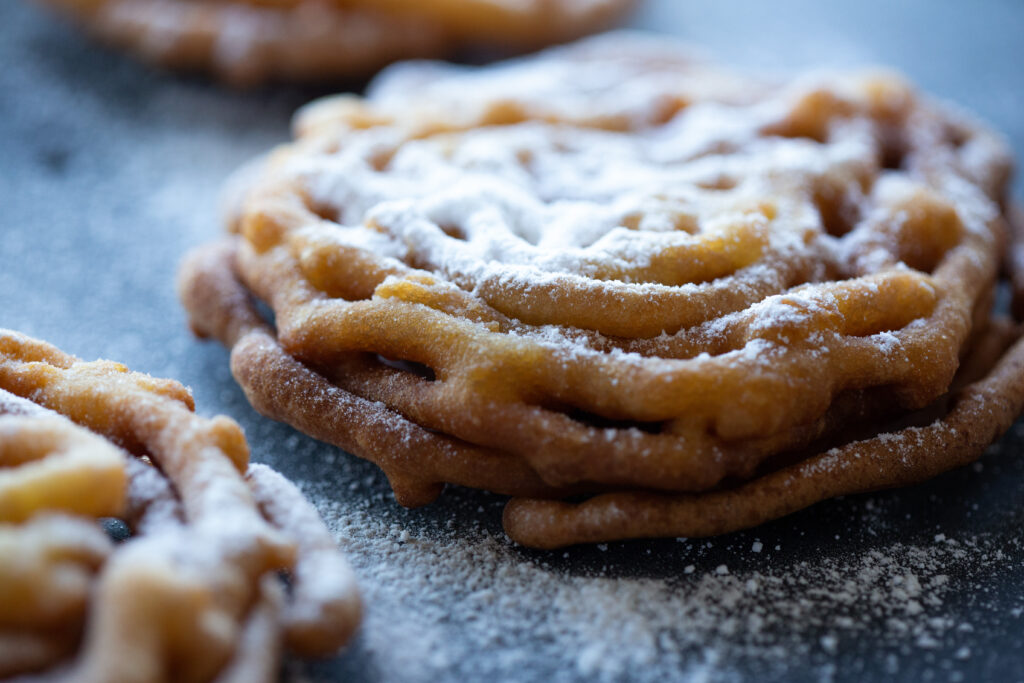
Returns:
<point x="416" y="461"/>
<point x="980" y="413"/>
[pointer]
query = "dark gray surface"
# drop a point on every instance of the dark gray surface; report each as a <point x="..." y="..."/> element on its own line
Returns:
<point x="109" y="172"/>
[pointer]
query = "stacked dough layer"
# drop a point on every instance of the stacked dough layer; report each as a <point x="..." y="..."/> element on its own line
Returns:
<point x="245" y="42"/>
<point x="195" y="592"/>
<point x="685" y="300"/>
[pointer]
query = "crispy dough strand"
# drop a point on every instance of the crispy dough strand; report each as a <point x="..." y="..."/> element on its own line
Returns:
<point x="192" y="595"/>
<point x="415" y="460"/>
<point x="981" y="412"/>
<point x="324" y="605"/>
<point x="48" y="463"/>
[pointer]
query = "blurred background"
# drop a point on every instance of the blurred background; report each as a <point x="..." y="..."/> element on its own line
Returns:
<point x="110" y="170"/>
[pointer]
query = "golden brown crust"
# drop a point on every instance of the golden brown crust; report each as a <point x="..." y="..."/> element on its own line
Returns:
<point x="691" y="287"/>
<point x="416" y="461"/>
<point x="187" y="593"/>
<point x="50" y="463"/>
<point x="980" y="413"/>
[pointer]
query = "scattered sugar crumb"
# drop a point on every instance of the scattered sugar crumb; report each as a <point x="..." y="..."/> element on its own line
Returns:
<point x="436" y="600"/>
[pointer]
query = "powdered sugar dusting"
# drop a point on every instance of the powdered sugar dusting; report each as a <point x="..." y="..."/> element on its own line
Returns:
<point x="714" y="220"/>
<point x="437" y="599"/>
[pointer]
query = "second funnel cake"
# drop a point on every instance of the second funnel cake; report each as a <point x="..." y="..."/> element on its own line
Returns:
<point x="250" y="41"/>
<point x="197" y="592"/>
<point x="678" y="300"/>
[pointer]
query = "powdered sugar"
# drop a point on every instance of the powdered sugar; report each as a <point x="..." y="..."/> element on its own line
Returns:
<point x="628" y="174"/>
<point x="440" y="599"/>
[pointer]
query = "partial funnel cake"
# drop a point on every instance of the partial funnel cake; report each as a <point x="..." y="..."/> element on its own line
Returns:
<point x="641" y="295"/>
<point x="250" y="41"/>
<point x="193" y="589"/>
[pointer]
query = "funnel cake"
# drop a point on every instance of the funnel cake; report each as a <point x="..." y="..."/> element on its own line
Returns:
<point x="194" y="594"/>
<point x="249" y="41"/>
<point x="686" y="300"/>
